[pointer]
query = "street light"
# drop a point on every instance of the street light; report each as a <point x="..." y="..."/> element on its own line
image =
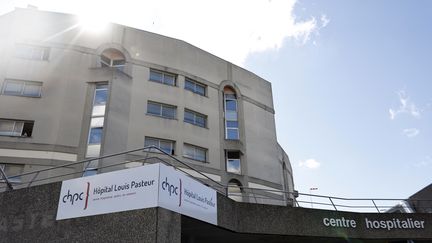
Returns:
<point x="310" y="190"/>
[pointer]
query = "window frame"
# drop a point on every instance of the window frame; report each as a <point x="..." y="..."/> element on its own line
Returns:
<point x="232" y="160"/>
<point x="163" y="80"/>
<point x="26" y="51"/>
<point x="195" y="148"/>
<point x="195" y="115"/>
<point x="23" y="84"/>
<point x="231" y="97"/>
<point x="159" y="140"/>
<point x="195" y="84"/>
<point x="22" y="125"/>
<point x="162" y="106"/>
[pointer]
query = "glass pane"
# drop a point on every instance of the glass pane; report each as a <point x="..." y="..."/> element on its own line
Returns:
<point x="232" y="124"/>
<point x="97" y="122"/>
<point x="189" y="117"/>
<point x="151" y="142"/>
<point x="200" y="121"/>
<point x="32" y="90"/>
<point x="188" y="151"/>
<point x="200" y="89"/>
<point x="231" y="105"/>
<point x="231" y="115"/>
<point x="6" y="127"/>
<point x="230" y="96"/>
<point x="156" y="76"/>
<point x="233" y="166"/>
<point x="232" y="133"/>
<point x="189" y="85"/>
<point x="168" y="112"/>
<point x="100" y="97"/>
<point x="200" y="154"/>
<point x="167" y="147"/>
<point x="154" y="109"/>
<point x="95" y="135"/>
<point x="13" y="87"/>
<point x="90" y="172"/>
<point x="169" y="79"/>
<point x="98" y="110"/>
<point x="18" y="129"/>
<point x="93" y="150"/>
<point x="105" y="60"/>
<point x="37" y="53"/>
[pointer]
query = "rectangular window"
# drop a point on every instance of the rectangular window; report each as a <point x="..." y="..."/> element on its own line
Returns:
<point x="95" y="134"/>
<point x="233" y="162"/>
<point x="162" y="77"/>
<point x="32" y="52"/>
<point x="195" y="87"/>
<point x="13" y="172"/>
<point x="194" y="152"/>
<point x="195" y="118"/>
<point x="165" y="145"/>
<point x="162" y="110"/>
<point x="16" y="128"/>
<point x="22" y="88"/>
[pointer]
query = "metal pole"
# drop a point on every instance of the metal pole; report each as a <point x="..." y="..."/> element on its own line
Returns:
<point x="3" y="174"/>
<point x="375" y="206"/>
<point x="333" y="203"/>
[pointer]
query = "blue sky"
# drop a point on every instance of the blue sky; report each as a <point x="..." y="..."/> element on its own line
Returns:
<point x="333" y="97"/>
<point x="351" y="79"/>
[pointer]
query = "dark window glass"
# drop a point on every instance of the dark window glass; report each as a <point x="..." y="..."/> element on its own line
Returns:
<point x="100" y="97"/>
<point x="231" y="105"/>
<point x="156" y="76"/>
<point x="232" y="133"/>
<point x="95" y="135"/>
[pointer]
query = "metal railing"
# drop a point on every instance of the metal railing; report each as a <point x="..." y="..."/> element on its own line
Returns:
<point x="34" y="176"/>
<point x="313" y="201"/>
<point x="238" y="193"/>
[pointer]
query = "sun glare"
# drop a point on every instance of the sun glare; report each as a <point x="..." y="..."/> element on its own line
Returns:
<point x="93" y="24"/>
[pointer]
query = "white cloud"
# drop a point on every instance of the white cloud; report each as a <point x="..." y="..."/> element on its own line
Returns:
<point x="411" y="132"/>
<point x="324" y="20"/>
<point x="310" y="163"/>
<point x="229" y="29"/>
<point x="406" y="106"/>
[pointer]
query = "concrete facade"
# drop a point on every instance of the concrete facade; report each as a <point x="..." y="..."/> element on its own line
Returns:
<point x="67" y="62"/>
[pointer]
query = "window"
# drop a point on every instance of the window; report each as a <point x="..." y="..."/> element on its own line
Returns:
<point x="195" y="118"/>
<point x="112" y="58"/>
<point x="195" y="87"/>
<point x="162" y="110"/>
<point x="235" y="190"/>
<point x="231" y="114"/>
<point x="194" y="152"/>
<point x="32" y="52"/>
<point x="165" y="145"/>
<point x="233" y="162"/>
<point x="16" y="128"/>
<point x="13" y="172"/>
<point x="22" y="88"/>
<point x="94" y="141"/>
<point x="162" y="77"/>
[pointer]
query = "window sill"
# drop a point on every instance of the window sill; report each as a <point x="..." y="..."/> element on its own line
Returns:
<point x="195" y="160"/>
<point x="25" y="96"/>
<point x="168" y="118"/>
<point x="171" y="85"/>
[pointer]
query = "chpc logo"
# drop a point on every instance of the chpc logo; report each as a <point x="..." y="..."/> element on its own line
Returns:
<point x="173" y="189"/>
<point x="75" y="197"/>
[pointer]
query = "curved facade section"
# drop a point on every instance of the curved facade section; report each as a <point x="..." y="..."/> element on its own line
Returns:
<point x="73" y="95"/>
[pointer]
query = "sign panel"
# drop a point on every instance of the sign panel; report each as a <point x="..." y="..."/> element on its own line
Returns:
<point x="137" y="188"/>
<point x="116" y="191"/>
<point x="182" y="194"/>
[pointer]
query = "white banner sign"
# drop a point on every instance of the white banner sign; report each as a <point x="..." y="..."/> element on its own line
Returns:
<point x="137" y="188"/>
<point x="116" y="191"/>
<point x="182" y="194"/>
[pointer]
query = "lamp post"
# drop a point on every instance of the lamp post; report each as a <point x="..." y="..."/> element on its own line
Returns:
<point x="310" y="192"/>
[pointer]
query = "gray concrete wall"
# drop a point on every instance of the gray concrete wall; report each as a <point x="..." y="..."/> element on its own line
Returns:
<point x="28" y="215"/>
